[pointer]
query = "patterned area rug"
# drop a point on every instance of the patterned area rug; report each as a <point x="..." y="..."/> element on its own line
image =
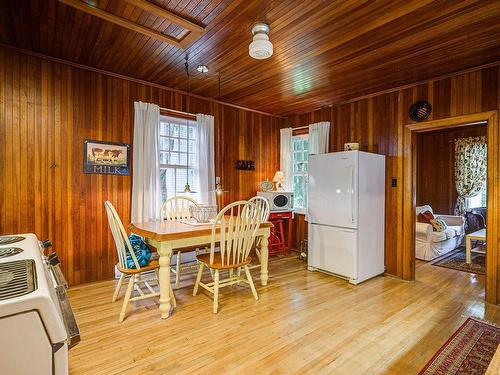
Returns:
<point x="456" y="260"/>
<point x="468" y="351"/>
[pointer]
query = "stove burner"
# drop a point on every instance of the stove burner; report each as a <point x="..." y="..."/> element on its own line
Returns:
<point x="9" y="251"/>
<point x="7" y="240"/>
<point x="17" y="278"/>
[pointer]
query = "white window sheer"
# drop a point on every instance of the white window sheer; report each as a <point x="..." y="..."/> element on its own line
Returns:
<point x="146" y="198"/>
<point x="286" y="158"/>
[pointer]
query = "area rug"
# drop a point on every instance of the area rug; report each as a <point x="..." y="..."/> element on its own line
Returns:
<point x="456" y="260"/>
<point x="468" y="351"/>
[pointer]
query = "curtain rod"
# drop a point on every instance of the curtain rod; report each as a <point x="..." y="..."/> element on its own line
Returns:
<point x="175" y="111"/>
<point x="301" y="127"/>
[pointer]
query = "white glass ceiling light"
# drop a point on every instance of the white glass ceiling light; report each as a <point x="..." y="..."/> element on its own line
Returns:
<point x="202" y="68"/>
<point x="261" y="47"/>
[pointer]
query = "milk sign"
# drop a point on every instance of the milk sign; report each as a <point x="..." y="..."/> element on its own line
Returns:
<point x="106" y="157"/>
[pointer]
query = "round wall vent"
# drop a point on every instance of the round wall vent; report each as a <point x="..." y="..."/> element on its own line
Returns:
<point x="420" y="111"/>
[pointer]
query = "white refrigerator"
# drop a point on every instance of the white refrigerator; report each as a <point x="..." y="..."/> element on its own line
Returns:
<point x="346" y="203"/>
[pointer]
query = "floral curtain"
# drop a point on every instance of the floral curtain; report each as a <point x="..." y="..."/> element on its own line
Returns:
<point x="470" y="169"/>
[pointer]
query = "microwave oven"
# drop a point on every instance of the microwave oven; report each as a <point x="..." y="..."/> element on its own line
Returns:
<point x="278" y="200"/>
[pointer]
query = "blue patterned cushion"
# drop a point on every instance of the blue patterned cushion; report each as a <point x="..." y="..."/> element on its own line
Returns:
<point x="141" y="251"/>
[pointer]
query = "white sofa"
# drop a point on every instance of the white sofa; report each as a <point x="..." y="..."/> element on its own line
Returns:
<point x="430" y="244"/>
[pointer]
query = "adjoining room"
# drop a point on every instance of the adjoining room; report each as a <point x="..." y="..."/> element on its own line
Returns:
<point x="452" y="202"/>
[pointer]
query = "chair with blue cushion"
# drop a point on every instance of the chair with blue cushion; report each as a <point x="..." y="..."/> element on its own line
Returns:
<point x="133" y="261"/>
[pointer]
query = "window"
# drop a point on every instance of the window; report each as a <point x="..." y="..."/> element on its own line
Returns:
<point x="300" y="150"/>
<point x="175" y="150"/>
<point x="477" y="201"/>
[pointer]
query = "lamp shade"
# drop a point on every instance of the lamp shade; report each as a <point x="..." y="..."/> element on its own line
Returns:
<point x="279" y="177"/>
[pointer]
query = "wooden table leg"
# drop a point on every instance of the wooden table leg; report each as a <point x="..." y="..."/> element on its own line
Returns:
<point x="264" y="255"/>
<point x="468" y="245"/>
<point x="165" y="252"/>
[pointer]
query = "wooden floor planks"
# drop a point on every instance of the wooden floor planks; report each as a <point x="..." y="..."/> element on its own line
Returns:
<point x="303" y="323"/>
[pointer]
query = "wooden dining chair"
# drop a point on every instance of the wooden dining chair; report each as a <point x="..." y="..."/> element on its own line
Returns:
<point x="177" y="208"/>
<point x="123" y="247"/>
<point x="263" y="205"/>
<point x="237" y="224"/>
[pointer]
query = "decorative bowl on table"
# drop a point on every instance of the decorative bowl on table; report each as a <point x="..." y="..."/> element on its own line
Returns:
<point x="203" y="213"/>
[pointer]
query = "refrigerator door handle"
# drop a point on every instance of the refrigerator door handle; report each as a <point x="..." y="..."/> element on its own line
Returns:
<point x="348" y="230"/>
<point x="351" y="192"/>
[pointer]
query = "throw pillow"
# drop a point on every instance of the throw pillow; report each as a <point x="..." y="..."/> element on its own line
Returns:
<point x="438" y="225"/>
<point x="425" y="217"/>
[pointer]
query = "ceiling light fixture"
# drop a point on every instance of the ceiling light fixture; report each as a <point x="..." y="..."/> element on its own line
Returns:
<point x="202" y="68"/>
<point x="260" y="48"/>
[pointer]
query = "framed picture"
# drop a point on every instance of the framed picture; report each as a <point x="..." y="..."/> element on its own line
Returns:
<point x="106" y="157"/>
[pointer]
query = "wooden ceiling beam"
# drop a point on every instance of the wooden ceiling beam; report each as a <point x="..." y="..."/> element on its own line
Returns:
<point x="84" y="7"/>
<point x="166" y="14"/>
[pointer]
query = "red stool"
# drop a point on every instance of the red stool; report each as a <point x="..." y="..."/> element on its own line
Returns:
<point x="277" y="238"/>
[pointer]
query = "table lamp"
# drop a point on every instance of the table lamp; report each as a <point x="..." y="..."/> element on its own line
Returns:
<point x="278" y="179"/>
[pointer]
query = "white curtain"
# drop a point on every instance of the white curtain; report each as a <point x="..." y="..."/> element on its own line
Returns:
<point x="146" y="187"/>
<point x="286" y="158"/>
<point x="319" y="136"/>
<point x="206" y="162"/>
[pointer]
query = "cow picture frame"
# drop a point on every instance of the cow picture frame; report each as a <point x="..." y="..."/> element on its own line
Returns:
<point x="106" y="157"/>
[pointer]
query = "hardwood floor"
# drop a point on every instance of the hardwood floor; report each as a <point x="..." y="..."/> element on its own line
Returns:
<point x="303" y="323"/>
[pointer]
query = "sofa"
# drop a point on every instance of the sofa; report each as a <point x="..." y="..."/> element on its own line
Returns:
<point x="430" y="244"/>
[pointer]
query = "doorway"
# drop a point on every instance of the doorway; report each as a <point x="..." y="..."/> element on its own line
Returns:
<point x="411" y="132"/>
<point x="451" y="205"/>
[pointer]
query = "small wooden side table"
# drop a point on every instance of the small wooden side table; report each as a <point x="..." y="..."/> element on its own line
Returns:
<point x="479" y="235"/>
<point x="288" y="215"/>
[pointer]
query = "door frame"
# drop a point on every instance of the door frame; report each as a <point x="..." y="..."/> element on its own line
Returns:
<point x="493" y="186"/>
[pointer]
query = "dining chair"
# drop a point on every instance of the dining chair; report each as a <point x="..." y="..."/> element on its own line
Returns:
<point x="123" y="247"/>
<point x="237" y="224"/>
<point x="177" y="208"/>
<point x="263" y="205"/>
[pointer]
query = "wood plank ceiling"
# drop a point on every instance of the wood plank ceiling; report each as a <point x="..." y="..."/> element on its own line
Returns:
<point x="324" y="51"/>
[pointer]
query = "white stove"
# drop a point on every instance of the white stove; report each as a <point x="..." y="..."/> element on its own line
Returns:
<point x="37" y="325"/>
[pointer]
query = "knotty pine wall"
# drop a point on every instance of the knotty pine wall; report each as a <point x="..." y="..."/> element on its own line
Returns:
<point x="48" y="109"/>
<point x="377" y="123"/>
<point x="436" y="167"/>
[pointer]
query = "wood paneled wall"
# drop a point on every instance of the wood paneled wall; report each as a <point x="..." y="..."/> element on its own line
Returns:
<point x="47" y="109"/>
<point x="377" y="123"/>
<point x="436" y="167"/>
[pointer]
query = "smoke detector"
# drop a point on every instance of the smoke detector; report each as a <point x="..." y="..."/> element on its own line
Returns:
<point x="260" y="48"/>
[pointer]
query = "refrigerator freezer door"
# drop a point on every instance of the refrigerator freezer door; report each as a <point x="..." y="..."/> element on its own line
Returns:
<point x="333" y="189"/>
<point x="333" y="250"/>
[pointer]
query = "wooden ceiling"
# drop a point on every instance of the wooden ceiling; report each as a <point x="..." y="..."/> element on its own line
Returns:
<point x="324" y="51"/>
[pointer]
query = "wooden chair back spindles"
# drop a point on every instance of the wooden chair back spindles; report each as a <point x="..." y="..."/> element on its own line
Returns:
<point x="120" y="236"/>
<point x="239" y="223"/>
<point x="177" y="208"/>
<point x="263" y="205"/>
<point x="122" y="244"/>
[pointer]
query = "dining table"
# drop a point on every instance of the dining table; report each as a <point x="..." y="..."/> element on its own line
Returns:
<point x="166" y="236"/>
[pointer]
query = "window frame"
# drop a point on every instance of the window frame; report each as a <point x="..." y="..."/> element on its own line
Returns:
<point x="192" y="155"/>
<point x="484" y="198"/>
<point x="305" y="174"/>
